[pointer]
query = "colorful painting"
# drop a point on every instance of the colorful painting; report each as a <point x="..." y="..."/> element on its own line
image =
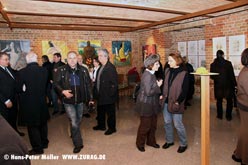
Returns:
<point x="148" y="50"/>
<point x="122" y="52"/>
<point x="88" y="49"/>
<point x="192" y="48"/>
<point x="219" y="43"/>
<point x="201" y="48"/>
<point x="182" y="48"/>
<point x="49" y="47"/>
<point x="17" y="51"/>
<point x="236" y="45"/>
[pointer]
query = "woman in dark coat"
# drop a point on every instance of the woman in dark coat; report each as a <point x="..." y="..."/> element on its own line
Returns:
<point x="224" y="84"/>
<point x="241" y="152"/>
<point x="148" y="104"/>
<point x="33" y="108"/>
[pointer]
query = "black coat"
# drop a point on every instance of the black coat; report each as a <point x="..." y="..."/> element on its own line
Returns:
<point x="108" y="90"/>
<point x="7" y="90"/>
<point x="49" y="66"/>
<point x="225" y="82"/>
<point x="33" y="107"/>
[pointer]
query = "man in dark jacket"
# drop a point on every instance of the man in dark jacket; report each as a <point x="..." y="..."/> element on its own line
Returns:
<point x="224" y="84"/>
<point x="57" y="106"/>
<point x="33" y="108"/>
<point x="107" y="91"/>
<point x="8" y="101"/>
<point x="72" y="82"/>
<point x="48" y="65"/>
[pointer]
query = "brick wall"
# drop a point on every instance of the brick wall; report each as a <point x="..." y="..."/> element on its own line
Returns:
<point x="72" y="37"/>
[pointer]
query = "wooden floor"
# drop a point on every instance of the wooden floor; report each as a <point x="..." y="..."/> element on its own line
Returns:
<point x="119" y="148"/>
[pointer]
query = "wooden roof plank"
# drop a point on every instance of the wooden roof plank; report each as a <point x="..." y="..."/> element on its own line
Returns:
<point x="4" y="14"/>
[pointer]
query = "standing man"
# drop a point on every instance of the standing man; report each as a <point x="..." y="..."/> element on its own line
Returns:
<point x="56" y="101"/>
<point x="224" y="84"/>
<point x="72" y="82"/>
<point x="107" y="93"/>
<point x="33" y="107"/>
<point x="8" y="104"/>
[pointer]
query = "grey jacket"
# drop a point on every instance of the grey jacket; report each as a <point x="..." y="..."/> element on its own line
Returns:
<point x="148" y="98"/>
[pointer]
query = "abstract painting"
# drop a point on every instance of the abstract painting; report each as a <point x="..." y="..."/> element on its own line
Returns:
<point x="148" y="50"/>
<point x="236" y="45"/>
<point x="122" y="52"/>
<point x="49" y="47"/>
<point x="17" y="51"/>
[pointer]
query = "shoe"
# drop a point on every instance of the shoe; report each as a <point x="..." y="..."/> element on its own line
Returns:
<point x="141" y="149"/>
<point x="77" y="149"/>
<point x="187" y="104"/>
<point x="236" y="159"/>
<point x="54" y="113"/>
<point x="35" y="152"/>
<point x="86" y="115"/>
<point x="97" y="128"/>
<point x="154" y="145"/>
<point x="181" y="149"/>
<point x="109" y="132"/>
<point x="45" y="146"/>
<point x="62" y="112"/>
<point x="167" y="145"/>
<point x="229" y="118"/>
<point x="220" y="117"/>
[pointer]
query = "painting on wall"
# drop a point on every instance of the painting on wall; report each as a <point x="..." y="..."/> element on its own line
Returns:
<point x="148" y="50"/>
<point x="219" y="43"/>
<point x="17" y="51"/>
<point x="236" y="45"/>
<point x="237" y="66"/>
<point x="201" y="48"/>
<point x="122" y="52"/>
<point x="88" y="49"/>
<point x="182" y="48"/>
<point x="49" y="47"/>
<point x="192" y="48"/>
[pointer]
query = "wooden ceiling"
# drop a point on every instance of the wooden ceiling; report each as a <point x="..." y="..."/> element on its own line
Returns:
<point x="108" y="15"/>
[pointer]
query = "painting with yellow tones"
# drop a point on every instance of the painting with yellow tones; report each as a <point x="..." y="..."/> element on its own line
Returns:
<point x="49" y="47"/>
<point x="122" y="52"/>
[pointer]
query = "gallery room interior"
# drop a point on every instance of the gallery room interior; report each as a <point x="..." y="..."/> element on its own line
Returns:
<point x="131" y="30"/>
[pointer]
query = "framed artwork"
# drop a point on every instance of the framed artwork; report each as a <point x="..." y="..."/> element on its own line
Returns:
<point x="49" y="47"/>
<point x="17" y="51"/>
<point x="88" y="49"/>
<point x="201" y="48"/>
<point x="122" y="52"/>
<point x="192" y="48"/>
<point x="236" y="62"/>
<point x="148" y="49"/>
<point x="182" y="48"/>
<point x="219" y="43"/>
<point x="236" y="45"/>
<point x="193" y="60"/>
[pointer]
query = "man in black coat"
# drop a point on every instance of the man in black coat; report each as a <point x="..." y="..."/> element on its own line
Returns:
<point x="107" y="93"/>
<point x="224" y="84"/>
<point x="33" y="108"/>
<point x="8" y="104"/>
<point x="48" y="65"/>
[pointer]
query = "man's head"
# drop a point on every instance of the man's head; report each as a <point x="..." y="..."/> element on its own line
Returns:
<point x="103" y="56"/>
<point x="56" y="57"/>
<point x="45" y="58"/>
<point x="31" y="57"/>
<point x="4" y="59"/>
<point x="80" y="59"/>
<point x="72" y="59"/>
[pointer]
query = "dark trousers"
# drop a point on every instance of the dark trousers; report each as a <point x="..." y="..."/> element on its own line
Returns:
<point x="229" y="107"/>
<point x="146" y="131"/>
<point x="108" y="109"/>
<point x="38" y="136"/>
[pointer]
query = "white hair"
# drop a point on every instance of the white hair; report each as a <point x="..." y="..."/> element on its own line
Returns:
<point x="31" y="57"/>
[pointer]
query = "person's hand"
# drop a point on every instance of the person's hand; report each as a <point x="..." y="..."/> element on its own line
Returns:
<point x="159" y="82"/>
<point x="161" y="97"/>
<point x="67" y="93"/>
<point x="9" y="104"/>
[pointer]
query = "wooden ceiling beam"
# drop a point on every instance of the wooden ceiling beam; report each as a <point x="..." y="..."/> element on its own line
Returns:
<point x="67" y="24"/>
<point x="64" y="27"/>
<point x="125" y="6"/>
<point x="4" y="14"/>
<point x="196" y="14"/>
<point x="76" y="16"/>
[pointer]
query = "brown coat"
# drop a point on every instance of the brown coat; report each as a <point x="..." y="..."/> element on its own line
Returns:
<point x="242" y="95"/>
<point x="148" y="98"/>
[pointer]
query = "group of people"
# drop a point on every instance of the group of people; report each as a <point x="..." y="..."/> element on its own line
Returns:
<point x="170" y="93"/>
